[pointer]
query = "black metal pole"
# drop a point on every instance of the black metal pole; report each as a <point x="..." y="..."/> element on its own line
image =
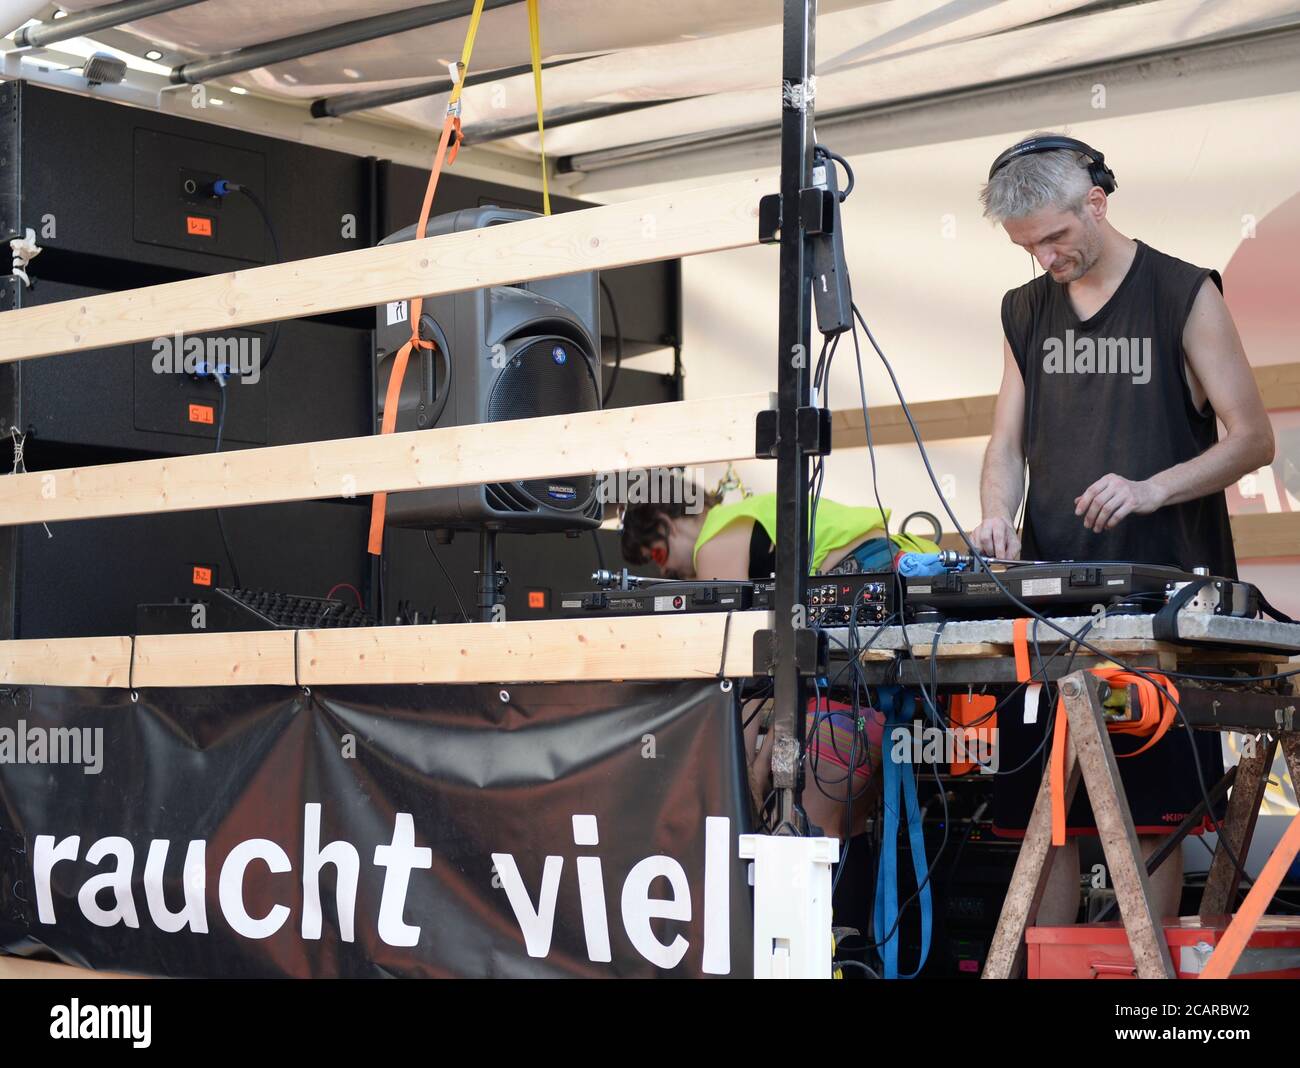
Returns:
<point x="98" y="18"/>
<point x="488" y="579"/>
<point x="326" y="39"/>
<point x="483" y="133"/>
<point x="338" y="106"/>
<point x="793" y="393"/>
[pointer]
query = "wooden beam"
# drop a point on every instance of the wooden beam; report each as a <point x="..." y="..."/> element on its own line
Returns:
<point x="96" y="662"/>
<point x="969" y="417"/>
<point x="1266" y="534"/>
<point x="556" y="650"/>
<point x="1279" y="385"/>
<point x="653" y="435"/>
<point x="958" y="417"/>
<point x="550" y="650"/>
<point x="615" y="235"/>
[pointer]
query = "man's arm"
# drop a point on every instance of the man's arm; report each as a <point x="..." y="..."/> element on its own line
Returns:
<point x="1217" y="360"/>
<point x="1002" y="481"/>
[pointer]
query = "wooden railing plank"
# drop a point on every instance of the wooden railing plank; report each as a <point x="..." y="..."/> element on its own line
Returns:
<point x="652" y="435"/>
<point x="666" y="646"/>
<point x="661" y="227"/>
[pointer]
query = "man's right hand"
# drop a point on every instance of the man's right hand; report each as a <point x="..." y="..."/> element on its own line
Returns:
<point x="997" y="538"/>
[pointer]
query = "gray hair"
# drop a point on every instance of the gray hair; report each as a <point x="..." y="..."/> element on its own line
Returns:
<point x="1055" y="179"/>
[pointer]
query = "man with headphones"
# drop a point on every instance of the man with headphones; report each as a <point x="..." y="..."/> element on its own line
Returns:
<point x="1119" y="362"/>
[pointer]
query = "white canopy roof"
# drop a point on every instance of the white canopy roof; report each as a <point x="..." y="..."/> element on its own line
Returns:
<point x="702" y="66"/>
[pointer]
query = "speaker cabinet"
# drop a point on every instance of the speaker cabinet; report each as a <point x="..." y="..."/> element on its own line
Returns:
<point x="503" y="353"/>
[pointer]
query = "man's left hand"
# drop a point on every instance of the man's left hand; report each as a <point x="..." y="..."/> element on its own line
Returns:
<point x="1112" y="497"/>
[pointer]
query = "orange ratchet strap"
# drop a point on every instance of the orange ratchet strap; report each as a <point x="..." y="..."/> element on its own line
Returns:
<point x="446" y="155"/>
<point x="1157" y="715"/>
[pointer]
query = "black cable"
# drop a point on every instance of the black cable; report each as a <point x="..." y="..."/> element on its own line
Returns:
<point x="817" y="476"/>
<point x="273" y="335"/>
<point x="1246" y="881"/>
<point x="618" y="344"/>
<point x="871" y="974"/>
<point x="970" y="828"/>
<point x="221" y="522"/>
<point x="1043" y="662"/>
<point x="758" y="701"/>
<point x="600" y="553"/>
<point x="222" y="188"/>
<point x="844" y="193"/>
<point x="900" y="599"/>
<point x="434" y="553"/>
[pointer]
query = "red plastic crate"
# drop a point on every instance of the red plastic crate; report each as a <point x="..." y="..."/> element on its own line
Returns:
<point x="1101" y="950"/>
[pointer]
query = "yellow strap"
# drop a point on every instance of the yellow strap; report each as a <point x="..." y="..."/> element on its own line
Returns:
<point x="466" y="50"/>
<point x="535" y="43"/>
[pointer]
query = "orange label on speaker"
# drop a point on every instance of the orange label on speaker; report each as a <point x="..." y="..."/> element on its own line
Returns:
<point x="536" y="598"/>
<point x="201" y="413"/>
<point x="198" y="226"/>
<point x="202" y="576"/>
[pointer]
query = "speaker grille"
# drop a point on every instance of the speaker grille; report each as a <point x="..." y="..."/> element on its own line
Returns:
<point x="547" y="376"/>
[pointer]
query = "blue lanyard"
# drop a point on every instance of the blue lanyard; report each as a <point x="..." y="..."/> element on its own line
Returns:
<point x="899" y="790"/>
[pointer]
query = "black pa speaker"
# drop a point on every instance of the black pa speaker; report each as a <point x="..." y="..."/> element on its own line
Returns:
<point x="507" y="352"/>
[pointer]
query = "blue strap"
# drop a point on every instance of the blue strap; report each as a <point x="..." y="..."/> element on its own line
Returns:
<point x="899" y="791"/>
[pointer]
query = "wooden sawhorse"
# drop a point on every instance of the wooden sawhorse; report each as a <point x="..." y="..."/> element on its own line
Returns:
<point x="1090" y="758"/>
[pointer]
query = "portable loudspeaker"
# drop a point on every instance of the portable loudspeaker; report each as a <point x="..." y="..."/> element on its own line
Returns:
<point x="503" y="353"/>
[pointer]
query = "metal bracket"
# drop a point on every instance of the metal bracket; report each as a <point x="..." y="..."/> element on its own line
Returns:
<point x="816" y="214"/>
<point x="814" y="429"/>
<point x="817" y="210"/>
<point x="769" y="219"/>
<point x="811" y="651"/>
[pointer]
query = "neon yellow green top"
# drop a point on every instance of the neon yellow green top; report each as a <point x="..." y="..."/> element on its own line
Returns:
<point x="838" y="525"/>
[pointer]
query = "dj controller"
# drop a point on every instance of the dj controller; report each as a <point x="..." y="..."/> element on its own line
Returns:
<point x="964" y="590"/>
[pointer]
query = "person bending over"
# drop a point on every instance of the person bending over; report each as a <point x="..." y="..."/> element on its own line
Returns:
<point x="737" y="541"/>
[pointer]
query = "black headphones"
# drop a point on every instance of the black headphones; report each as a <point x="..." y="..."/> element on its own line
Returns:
<point x="1100" y="174"/>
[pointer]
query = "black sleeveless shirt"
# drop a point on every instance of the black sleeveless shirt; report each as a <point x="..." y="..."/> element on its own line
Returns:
<point x="1110" y="394"/>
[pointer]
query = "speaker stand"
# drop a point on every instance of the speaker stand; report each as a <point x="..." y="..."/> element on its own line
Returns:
<point x="492" y="579"/>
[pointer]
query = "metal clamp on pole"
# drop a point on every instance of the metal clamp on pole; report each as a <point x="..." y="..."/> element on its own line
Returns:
<point x="813" y="430"/>
<point x="811" y="651"/>
<point x="817" y="211"/>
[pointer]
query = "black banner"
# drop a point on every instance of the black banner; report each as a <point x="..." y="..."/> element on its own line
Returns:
<point x="575" y="829"/>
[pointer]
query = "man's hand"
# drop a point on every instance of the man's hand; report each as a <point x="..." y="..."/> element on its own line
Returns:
<point x="997" y="538"/>
<point x="1112" y="497"/>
